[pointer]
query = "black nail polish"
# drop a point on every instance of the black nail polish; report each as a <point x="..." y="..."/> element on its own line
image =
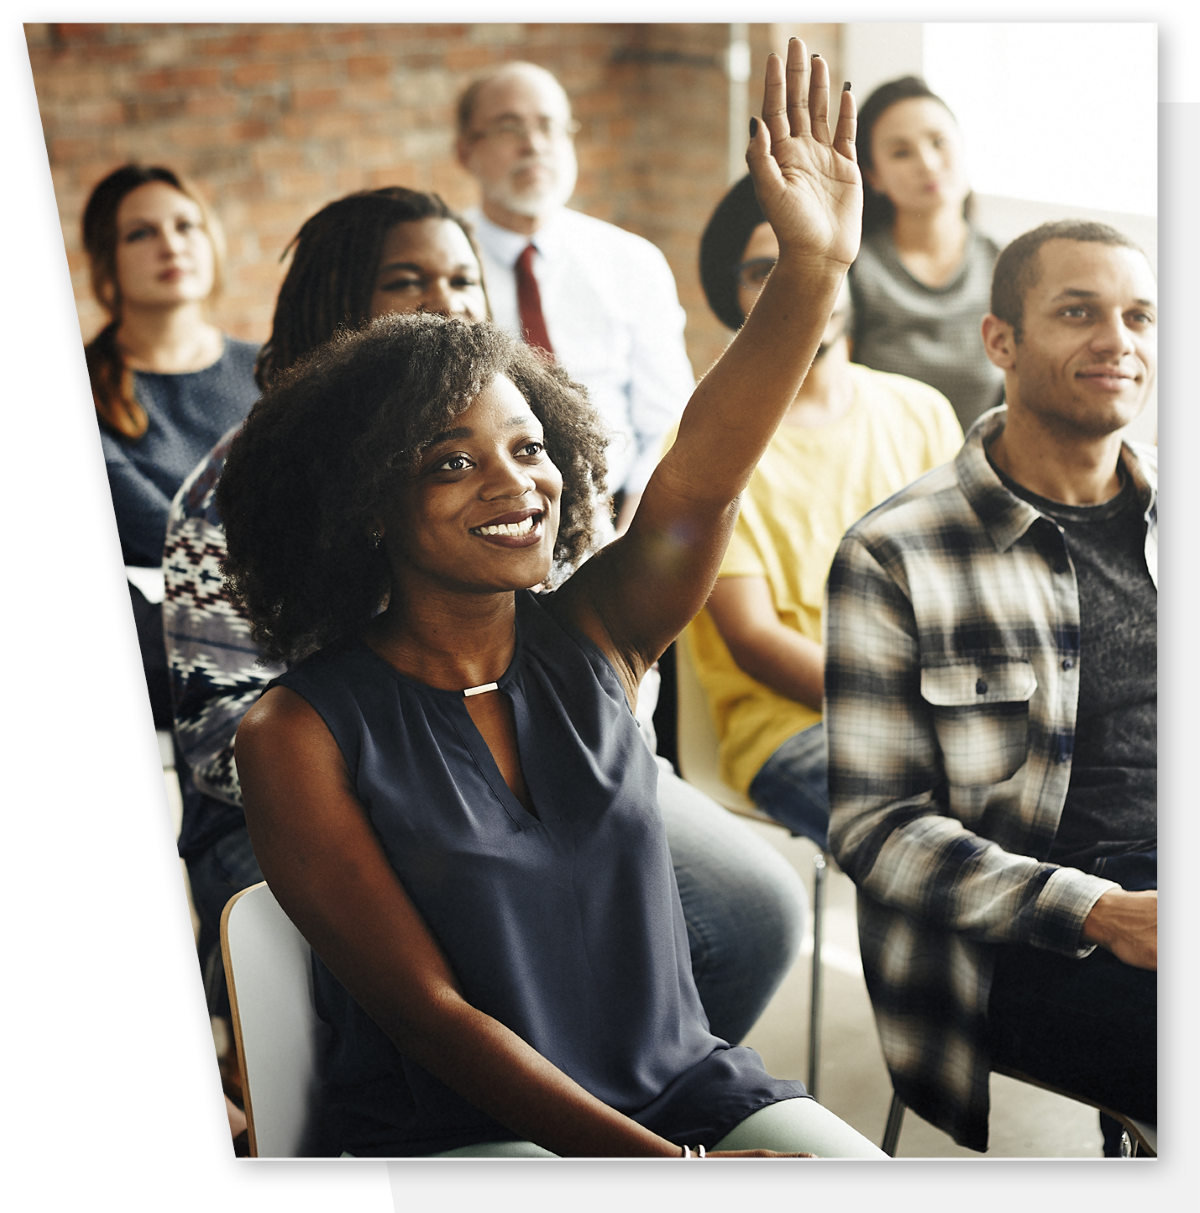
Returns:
<point x="846" y="87"/>
<point x="816" y="56"/>
<point x="753" y="127"/>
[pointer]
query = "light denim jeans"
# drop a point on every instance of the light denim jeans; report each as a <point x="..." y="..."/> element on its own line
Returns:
<point x="793" y="785"/>
<point x="743" y="903"/>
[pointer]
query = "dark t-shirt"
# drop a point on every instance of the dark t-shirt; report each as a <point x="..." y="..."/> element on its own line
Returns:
<point x="1112" y="802"/>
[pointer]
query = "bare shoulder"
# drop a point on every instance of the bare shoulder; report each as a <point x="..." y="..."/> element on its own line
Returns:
<point x="283" y="732"/>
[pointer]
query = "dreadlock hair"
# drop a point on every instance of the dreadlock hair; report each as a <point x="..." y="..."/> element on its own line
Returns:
<point x="332" y="276"/>
<point x="332" y="439"/>
<point x="1018" y="268"/>
<point x="878" y="211"/>
<point x="112" y="381"/>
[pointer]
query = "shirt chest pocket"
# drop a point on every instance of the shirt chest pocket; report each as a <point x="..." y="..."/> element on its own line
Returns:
<point x="981" y="715"/>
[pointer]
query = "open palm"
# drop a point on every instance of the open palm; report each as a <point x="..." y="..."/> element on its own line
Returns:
<point x="805" y="176"/>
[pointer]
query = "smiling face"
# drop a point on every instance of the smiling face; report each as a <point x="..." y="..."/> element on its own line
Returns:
<point x="918" y="157"/>
<point x="428" y="265"/>
<point x="164" y="254"/>
<point x="481" y="513"/>
<point x="519" y="145"/>
<point x="1087" y="357"/>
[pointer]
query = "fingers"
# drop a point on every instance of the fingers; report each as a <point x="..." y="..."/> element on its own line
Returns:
<point x="798" y="73"/>
<point x="818" y="98"/>
<point x="774" y="107"/>
<point x="847" y="126"/>
<point x="796" y="100"/>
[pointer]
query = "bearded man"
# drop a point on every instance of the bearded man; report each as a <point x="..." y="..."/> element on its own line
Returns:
<point x="599" y="299"/>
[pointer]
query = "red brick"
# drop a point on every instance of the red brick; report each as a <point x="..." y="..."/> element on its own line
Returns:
<point x="279" y="41"/>
<point x="301" y="184"/>
<point x="99" y="113"/>
<point x="246" y="75"/>
<point x="315" y="98"/>
<point x="179" y="78"/>
<point x="77" y="35"/>
<point x="73" y="148"/>
<point x="227" y="46"/>
<point x="471" y="59"/>
<point x="312" y="72"/>
<point x="367" y="93"/>
<point x="220" y="105"/>
<point x="331" y="124"/>
<point x="272" y="156"/>
<point x="368" y="65"/>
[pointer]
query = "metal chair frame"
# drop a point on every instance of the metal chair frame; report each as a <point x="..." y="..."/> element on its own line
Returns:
<point x="1137" y="1138"/>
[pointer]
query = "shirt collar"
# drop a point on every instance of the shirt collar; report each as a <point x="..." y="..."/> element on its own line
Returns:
<point x="506" y="246"/>
<point x="1006" y="516"/>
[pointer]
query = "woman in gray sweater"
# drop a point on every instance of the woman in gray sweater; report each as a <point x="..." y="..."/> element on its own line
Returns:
<point x="922" y="280"/>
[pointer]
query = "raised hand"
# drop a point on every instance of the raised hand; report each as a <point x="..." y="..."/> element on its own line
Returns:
<point x="806" y="179"/>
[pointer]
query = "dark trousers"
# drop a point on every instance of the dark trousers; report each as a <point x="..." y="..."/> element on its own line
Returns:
<point x="1087" y="1026"/>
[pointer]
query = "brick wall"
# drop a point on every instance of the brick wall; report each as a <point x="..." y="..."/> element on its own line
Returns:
<point x="274" y="121"/>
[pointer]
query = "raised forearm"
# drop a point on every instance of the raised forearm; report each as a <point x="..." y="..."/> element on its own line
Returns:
<point x="740" y="402"/>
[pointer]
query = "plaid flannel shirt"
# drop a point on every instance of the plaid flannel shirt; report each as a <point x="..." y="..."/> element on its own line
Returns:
<point x="951" y="683"/>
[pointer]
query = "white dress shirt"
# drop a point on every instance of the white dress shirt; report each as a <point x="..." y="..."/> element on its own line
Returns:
<point x="614" y="320"/>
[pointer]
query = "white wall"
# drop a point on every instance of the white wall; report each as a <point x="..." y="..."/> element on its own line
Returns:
<point x="1059" y="119"/>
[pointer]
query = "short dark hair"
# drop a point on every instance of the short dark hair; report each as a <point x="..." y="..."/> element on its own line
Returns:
<point x="1018" y="267"/>
<point x="335" y="256"/>
<point x="878" y="211"/>
<point x="329" y="442"/>
<point x="721" y="247"/>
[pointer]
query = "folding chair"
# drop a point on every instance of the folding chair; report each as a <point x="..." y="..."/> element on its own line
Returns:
<point x="268" y="966"/>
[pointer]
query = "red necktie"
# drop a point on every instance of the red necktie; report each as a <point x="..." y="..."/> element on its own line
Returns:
<point x="529" y="303"/>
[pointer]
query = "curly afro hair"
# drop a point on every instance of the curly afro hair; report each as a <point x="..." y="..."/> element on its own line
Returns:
<point x="324" y="449"/>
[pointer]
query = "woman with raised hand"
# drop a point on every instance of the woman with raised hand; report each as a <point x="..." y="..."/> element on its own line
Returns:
<point x="922" y="282"/>
<point x="449" y="796"/>
<point x="370" y="254"/>
<point x="166" y="382"/>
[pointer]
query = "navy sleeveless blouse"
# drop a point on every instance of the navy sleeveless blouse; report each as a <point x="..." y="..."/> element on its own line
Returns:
<point x="565" y="927"/>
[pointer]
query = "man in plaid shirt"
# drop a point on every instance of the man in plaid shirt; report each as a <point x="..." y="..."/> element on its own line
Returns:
<point x="991" y="709"/>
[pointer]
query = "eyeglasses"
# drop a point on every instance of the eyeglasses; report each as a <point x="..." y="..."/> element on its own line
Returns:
<point x="517" y="130"/>
<point x="753" y="273"/>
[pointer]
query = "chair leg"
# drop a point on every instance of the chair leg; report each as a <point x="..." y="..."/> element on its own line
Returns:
<point x="814" y="1017"/>
<point x="891" y="1133"/>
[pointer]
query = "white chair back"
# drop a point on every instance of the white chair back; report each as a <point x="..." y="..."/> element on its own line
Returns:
<point x="268" y="967"/>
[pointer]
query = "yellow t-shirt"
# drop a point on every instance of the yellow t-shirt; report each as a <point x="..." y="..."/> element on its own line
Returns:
<point x="809" y="488"/>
